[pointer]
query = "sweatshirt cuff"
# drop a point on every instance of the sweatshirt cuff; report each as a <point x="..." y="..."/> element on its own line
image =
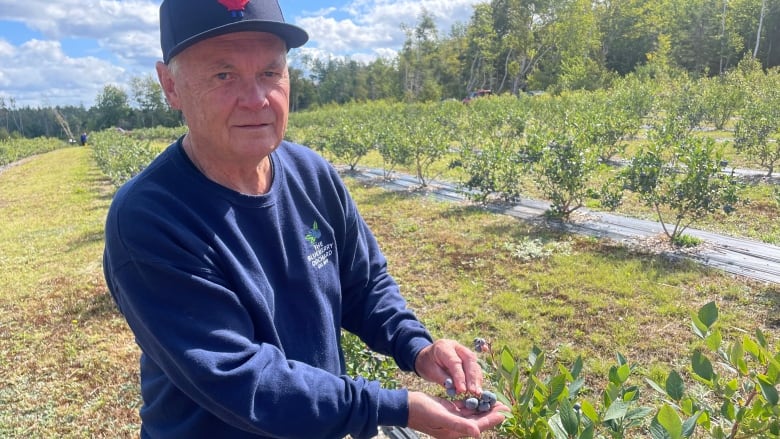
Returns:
<point x="415" y="346"/>
<point x="393" y="407"/>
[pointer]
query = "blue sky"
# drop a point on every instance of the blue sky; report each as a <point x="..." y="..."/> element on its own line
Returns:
<point x="63" y="52"/>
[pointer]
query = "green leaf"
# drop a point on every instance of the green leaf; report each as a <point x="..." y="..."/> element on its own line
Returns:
<point x="675" y="387"/>
<point x="657" y="431"/>
<point x="727" y="410"/>
<point x="708" y="314"/>
<point x="556" y="427"/>
<point x="687" y="405"/>
<point x="702" y="366"/>
<point x="569" y="419"/>
<point x="507" y="361"/>
<point x="768" y="390"/>
<point x="589" y="411"/>
<point x="574" y="387"/>
<point x="736" y="353"/>
<point x="656" y="386"/>
<point x="713" y="340"/>
<point x="668" y="418"/>
<point x="773" y="370"/>
<point x="698" y="327"/>
<point x="587" y="432"/>
<point x="639" y="413"/>
<point x="576" y="368"/>
<point x="689" y="426"/>
<point x="631" y="394"/>
<point x="751" y="347"/>
<point x="730" y="388"/>
<point x="613" y="375"/>
<point x="705" y="421"/>
<point x="536" y="358"/>
<point x="742" y="367"/>
<point x="761" y="339"/>
<point x="623" y="372"/>
<point x="616" y="410"/>
<point x="557" y="387"/>
<point x="619" y="374"/>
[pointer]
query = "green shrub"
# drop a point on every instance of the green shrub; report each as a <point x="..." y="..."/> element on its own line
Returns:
<point x="736" y="394"/>
<point x="14" y="149"/>
<point x="120" y="156"/>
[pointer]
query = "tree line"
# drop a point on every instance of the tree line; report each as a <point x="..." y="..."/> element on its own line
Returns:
<point x="516" y="46"/>
<point x="142" y="106"/>
<point x="507" y="46"/>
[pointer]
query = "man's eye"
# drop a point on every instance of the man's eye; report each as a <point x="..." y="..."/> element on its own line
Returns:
<point x="223" y="76"/>
<point x="272" y="74"/>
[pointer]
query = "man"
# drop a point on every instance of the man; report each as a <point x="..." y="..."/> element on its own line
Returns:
<point x="237" y="257"/>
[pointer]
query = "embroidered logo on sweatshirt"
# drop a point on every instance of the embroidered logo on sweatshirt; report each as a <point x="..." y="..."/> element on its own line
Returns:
<point x="320" y="257"/>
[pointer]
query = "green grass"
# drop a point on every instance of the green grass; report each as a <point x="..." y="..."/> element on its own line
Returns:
<point x="69" y="365"/>
<point x="464" y="280"/>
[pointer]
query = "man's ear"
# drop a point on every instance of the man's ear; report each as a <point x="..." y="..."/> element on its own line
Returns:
<point x="165" y="76"/>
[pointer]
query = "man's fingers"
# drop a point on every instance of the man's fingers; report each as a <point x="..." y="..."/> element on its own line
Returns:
<point x="462" y="365"/>
<point x="450" y="359"/>
<point x="473" y="374"/>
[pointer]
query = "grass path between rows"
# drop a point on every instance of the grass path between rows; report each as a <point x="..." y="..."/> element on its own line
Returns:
<point x="68" y="363"/>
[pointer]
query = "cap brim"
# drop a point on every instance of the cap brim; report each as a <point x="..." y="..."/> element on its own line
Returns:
<point x="292" y="35"/>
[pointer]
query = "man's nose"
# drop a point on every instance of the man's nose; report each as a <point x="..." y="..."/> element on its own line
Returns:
<point x="255" y="94"/>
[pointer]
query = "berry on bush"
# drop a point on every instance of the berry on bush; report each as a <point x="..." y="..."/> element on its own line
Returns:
<point x="481" y="345"/>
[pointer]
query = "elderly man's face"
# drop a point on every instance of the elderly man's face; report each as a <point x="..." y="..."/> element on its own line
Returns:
<point x="234" y="93"/>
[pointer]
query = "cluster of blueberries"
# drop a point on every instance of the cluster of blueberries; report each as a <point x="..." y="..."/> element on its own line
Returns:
<point x="483" y="404"/>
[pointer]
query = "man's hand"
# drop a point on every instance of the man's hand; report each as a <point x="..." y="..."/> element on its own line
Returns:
<point x="450" y="359"/>
<point x="445" y="419"/>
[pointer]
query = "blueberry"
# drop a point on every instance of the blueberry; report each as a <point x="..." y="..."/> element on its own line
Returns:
<point x="488" y="397"/>
<point x="451" y="392"/>
<point x="480" y="344"/>
<point x="471" y="403"/>
<point x="448" y="383"/>
<point x="483" y="407"/>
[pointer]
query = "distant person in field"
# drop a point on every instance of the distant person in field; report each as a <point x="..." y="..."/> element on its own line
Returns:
<point x="83" y="139"/>
<point x="237" y="258"/>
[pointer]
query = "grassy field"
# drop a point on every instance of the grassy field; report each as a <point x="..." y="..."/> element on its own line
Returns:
<point x="68" y="364"/>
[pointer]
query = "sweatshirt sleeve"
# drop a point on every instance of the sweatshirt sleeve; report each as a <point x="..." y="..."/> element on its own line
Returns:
<point x="374" y="308"/>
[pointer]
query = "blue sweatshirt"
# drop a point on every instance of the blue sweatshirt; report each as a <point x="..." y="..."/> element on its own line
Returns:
<point x="237" y="302"/>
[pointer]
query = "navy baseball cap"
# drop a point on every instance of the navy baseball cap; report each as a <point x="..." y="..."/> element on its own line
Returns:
<point x="185" y="22"/>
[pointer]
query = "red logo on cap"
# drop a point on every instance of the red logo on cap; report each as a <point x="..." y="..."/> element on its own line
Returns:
<point x="234" y="5"/>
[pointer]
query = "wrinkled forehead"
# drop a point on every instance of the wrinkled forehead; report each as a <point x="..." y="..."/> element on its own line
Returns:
<point x="245" y="44"/>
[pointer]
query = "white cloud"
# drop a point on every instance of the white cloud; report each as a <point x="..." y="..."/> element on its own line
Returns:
<point x="39" y="72"/>
<point x="368" y="29"/>
<point x="6" y="49"/>
<point x="84" y="19"/>
<point x="127" y="29"/>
